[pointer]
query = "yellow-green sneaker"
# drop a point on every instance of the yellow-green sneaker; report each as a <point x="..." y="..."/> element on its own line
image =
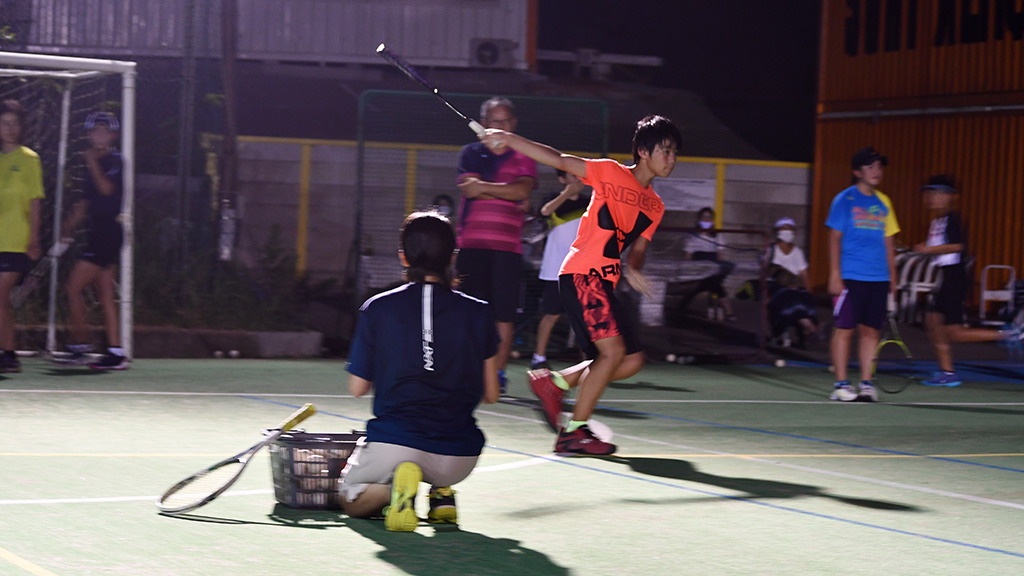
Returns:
<point x="442" y="506"/>
<point x="400" y="515"/>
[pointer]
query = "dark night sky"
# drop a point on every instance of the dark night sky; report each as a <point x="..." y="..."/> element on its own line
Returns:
<point x="753" y="61"/>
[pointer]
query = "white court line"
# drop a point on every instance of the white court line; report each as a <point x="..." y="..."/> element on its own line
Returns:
<point x="869" y="480"/>
<point x="603" y="400"/>
<point x="544" y="459"/>
<point x="118" y="498"/>
<point x="152" y="393"/>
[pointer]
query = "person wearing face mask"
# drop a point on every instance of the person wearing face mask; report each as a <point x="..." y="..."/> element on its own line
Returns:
<point x="790" y="302"/>
<point x="702" y="245"/>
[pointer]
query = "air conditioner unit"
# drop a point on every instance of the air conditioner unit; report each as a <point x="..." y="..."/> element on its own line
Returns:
<point x="492" y="53"/>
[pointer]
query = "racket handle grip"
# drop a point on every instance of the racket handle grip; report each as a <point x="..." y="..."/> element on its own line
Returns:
<point x="891" y="304"/>
<point x="476" y="127"/>
<point x="298" y="416"/>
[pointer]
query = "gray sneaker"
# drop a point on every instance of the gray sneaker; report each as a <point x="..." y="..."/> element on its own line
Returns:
<point x="868" y="392"/>
<point x="843" y="391"/>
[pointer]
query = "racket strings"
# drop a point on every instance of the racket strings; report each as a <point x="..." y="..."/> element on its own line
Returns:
<point x="202" y="486"/>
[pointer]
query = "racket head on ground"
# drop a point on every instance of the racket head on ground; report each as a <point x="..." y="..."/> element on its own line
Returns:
<point x="893" y="372"/>
<point x="205" y="485"/>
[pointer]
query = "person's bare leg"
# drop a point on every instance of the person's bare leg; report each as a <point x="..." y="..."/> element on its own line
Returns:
<point x="83" y="274"/>
<point x="370" y="503"/>
<point x="842" y="338"/>
<point x="108" y="299"/>
<point x="8" y="280"/>
<point x="940" y="340"/>
<point x="958" y="333"/>
<point x="544" y="328"/>
<point x="610" y="354"/>
<point x="505" y="330"/>
<point x="867" y="343"/>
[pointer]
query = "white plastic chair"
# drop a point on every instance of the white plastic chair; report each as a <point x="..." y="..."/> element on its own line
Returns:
<point x="1002" y="295"/>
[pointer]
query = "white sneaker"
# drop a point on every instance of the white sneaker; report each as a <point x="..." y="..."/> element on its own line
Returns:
<point x="868" y="392"/>
<point x="843" y="392"/>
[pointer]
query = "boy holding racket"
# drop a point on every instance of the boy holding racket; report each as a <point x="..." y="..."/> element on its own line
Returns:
<point x="945" y="318"/>
<point x="623" y="214"/>
<point x="430" y="355"/>
<point x="862" y="270"/>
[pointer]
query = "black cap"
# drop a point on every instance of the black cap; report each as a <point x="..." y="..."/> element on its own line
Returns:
<point x="940" y="183"/>
<point x="866" y="156"/>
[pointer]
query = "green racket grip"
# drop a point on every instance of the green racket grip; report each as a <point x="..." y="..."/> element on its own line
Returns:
<point x="298" y="416"/>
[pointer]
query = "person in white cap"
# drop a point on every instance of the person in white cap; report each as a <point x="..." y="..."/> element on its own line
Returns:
<point x="791" y="303"/>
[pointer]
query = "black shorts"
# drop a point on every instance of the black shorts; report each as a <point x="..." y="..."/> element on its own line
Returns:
<point x="861" y="303"/>
<point x="494" y="276"/>
<point x="103" y="247"/>
<point x="949" y="299"/>
<point x="595" y="313"/>
<point x="15" y="262"/>
<point x="550" y="301"/>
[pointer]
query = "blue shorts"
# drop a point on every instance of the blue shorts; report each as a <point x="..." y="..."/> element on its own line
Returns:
<point x="861" y="303"/>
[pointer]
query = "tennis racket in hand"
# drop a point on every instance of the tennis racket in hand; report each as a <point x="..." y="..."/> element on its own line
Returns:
<point x="202" y="487"/>
<point x="413" y="74"/>
<point x="35" y="276"/>
<point x="892" y="365"/>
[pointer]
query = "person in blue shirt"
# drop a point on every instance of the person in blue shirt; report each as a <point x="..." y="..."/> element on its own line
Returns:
<point x="862" y="270"/>
<point x="430" y="355"/>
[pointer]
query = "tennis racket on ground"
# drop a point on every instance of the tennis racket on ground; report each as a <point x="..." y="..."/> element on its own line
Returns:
<point x="35" y="276"/>
<point x="891" y="366"/>
<point x="202" y="487"/>
<point x="397" y="61"/>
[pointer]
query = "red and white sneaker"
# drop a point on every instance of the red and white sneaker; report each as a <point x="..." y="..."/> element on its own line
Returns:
<point x="582" y="441"/>
<point x="549" y="394"/>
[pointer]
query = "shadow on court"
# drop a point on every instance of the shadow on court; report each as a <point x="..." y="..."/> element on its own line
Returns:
<point x="647" y="386"/>
<point x="77" y="371"/>
<point x="750" y="488"/>
<point x="452" y="551"/>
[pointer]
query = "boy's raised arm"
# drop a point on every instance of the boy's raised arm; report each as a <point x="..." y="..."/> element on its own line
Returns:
<point x="496" y="139"/>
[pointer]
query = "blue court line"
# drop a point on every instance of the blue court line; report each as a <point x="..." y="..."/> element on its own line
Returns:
<point x="767" y="504"/>
<point x="706" y="492"/>
<point x="812" y="439"/>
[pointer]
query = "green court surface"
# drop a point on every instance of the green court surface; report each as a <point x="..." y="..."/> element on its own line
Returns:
<point x="720" y="470"/>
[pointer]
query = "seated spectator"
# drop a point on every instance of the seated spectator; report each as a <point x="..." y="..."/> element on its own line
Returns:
<point x="703" y="245"/>
<point x="790" y="302"/>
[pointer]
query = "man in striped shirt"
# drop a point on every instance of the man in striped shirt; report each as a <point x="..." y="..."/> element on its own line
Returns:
<point x="495" y="186"/>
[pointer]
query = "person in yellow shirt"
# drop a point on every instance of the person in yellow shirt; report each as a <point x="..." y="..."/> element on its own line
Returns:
<point x="21" y="188"/>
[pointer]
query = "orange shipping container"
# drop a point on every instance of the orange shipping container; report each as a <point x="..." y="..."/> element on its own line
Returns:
<point x="938" y="86"/>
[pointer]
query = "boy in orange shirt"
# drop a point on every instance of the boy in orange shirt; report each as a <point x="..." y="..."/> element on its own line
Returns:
<point x="624" y="212"/>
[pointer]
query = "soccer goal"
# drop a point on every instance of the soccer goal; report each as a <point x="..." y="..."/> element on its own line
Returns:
<point x="57" y="93"/>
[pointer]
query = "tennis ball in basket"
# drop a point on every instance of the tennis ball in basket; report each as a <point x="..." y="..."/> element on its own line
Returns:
<point x="234" y="354"/>
<point x="670" y="358"/>
<point x="218" y="354"/>
<point x="780" y="363"/>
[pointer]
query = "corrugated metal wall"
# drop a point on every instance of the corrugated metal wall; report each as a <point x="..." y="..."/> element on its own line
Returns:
<point x="926" y="108"/>
<point x="434" y="33"/>
<point x="870" y="53"/>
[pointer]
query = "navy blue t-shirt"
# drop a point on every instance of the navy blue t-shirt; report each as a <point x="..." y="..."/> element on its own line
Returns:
<point x="104" y="210"/>
<point x="426" y="369"/>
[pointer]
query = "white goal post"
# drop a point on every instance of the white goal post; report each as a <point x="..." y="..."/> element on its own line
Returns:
<point x="69" y="69"/>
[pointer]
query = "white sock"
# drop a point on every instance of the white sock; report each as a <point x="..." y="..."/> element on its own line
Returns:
<point x="116" y="350"/>
<point x="539" y="358"/>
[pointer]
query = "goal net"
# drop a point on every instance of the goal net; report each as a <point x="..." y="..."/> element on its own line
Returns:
<point x="56" y="95"/>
